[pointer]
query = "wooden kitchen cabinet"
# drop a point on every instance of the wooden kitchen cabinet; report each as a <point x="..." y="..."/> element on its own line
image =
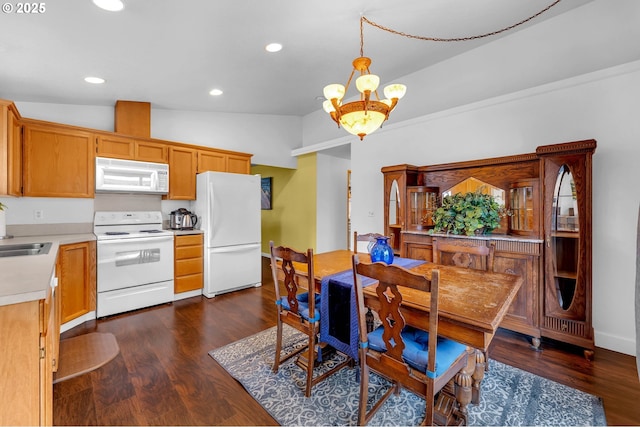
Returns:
<point x="183" y="164"/>
<point x="188" y="262"/>
<point x="220" y="161"/>
<point x="26" y="367"/>
<point x="46" y="159"/>
<point x="151" y="152"/>
<point x="211" y="161"/>
<point x="58" y="161"/>
<point x="237" y="163"/>
<point x="120" y="147"/>
<point x="10" y="150"/>
<point x="77" y="284"/>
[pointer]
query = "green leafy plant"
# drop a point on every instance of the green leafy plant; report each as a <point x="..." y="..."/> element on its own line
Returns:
<point x="468" y="213"/>
<point x="2" y="207"/>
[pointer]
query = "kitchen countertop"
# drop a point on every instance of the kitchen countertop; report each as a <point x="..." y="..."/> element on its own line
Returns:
<point x="27" y="278"/>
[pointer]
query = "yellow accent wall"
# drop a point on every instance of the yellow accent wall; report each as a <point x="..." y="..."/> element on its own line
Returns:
<point x="292" y="219"/>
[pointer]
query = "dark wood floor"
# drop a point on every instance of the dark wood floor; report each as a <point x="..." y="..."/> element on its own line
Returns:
<point x="164" y="376"/>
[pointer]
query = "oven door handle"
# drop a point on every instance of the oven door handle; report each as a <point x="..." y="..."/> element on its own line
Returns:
<point x="135" y="240"/>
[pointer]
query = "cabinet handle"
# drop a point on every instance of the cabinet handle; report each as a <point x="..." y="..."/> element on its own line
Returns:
<point x="548" y="241"/>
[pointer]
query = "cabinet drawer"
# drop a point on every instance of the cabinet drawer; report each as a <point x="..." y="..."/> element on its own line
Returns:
<point x="184" y="252"/>
<point x="188" y="283"/>
<point x="191" y="239"/>
<point x="188" y="266"/>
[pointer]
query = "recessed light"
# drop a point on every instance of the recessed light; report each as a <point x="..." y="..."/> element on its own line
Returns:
<point x="273" y="47"/>
<point x="110" y="5"/>
<point x="94" y="80"/>
<point x="215" y="92"/>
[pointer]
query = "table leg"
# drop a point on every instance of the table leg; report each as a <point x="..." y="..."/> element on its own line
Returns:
<point x="464" y="382"/>
<point x="478" y="375"/>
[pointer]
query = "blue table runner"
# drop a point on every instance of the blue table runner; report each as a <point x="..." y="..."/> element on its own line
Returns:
<point x="338" y="311"/>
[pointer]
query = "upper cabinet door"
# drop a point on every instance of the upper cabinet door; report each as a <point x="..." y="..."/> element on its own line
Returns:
<point x="238" y="163"/>
<point x="182" y="173"/>
<point x="151" y="152"/>
<point x="58" y="162"/>
<point x="10" y="150"/>
<point x="218" y="161"/>
<point x="118" y="147"/>
<point x="211" y="161"/>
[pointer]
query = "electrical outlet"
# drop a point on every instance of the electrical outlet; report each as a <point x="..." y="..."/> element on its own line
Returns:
<point x="38" y="214"/>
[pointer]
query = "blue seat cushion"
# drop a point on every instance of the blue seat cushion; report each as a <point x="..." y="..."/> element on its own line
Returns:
<point x="416" y="351"/>
<point x="303" y="305"/>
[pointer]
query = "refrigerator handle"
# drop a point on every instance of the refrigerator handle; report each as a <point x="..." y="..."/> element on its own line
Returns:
<point x="210" y="211"/>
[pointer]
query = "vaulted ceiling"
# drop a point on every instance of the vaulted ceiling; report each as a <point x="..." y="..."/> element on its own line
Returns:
<point x="172" y="53"/>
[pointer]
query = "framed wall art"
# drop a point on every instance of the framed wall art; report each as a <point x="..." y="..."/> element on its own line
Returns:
<point x="265" y="199"/>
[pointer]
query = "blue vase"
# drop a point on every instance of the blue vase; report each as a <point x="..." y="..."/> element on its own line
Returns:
<point x="381" y="251"/>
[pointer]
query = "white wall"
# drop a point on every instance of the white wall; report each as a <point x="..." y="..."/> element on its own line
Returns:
<point x="269" y="138"/>
<point x="331" y="222"/>
<point x="602" y="106"/>
<point x="598" y="35"/>
<point x="575" y="76"/>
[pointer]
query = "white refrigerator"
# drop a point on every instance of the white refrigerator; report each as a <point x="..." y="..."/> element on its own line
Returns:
<point x="228" y="210"/>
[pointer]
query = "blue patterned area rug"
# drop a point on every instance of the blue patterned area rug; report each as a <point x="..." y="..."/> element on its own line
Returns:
<point x="510" y="396"/>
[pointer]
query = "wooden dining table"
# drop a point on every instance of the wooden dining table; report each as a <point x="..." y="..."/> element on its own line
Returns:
<point x="472" y="305"/>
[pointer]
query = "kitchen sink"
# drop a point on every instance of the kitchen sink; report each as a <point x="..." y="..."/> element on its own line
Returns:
<point x="24" y="249"/>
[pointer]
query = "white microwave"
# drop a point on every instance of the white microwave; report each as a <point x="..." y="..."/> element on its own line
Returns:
<point x="130" y="176"/>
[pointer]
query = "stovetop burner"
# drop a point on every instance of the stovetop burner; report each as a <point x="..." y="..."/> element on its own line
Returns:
<point x="129" y="225"/>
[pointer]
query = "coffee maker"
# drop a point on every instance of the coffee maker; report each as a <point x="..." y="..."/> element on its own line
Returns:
<point x="182" y="219"/>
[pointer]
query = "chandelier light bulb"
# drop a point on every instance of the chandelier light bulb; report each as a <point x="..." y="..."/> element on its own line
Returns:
<point x="367" y="82"/>
<point x="334" y="91"/>
<point x="395" y="90"/>
<point x="328" y="107"/>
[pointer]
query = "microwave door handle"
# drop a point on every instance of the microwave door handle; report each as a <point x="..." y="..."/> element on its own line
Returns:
<point x="154" y="180"/>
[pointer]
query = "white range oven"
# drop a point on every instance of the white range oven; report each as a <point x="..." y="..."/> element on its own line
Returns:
<point x="135" y="261"/>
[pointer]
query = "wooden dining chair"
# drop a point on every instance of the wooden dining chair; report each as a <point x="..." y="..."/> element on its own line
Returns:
<point x="460" y="255"/>
<point x="415" y="359"/>
<point x="368" y="237"/>
<point x="298" y="308"/>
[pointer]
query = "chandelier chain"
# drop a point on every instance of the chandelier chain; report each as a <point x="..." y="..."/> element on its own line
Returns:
<point x="362" y="18"/>
<point x="453" y="39"/>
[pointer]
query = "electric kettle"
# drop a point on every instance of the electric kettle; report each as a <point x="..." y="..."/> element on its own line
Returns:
<point x="182" y="219"/>
<point x="189" y="221"/>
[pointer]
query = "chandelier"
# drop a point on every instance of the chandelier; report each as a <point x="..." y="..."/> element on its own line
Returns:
<point x="366" y="115"/>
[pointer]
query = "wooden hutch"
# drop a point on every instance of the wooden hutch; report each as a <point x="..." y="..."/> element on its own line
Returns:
<point x="546" y="238"/>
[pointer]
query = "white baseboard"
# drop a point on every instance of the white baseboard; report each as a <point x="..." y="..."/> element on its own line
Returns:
<point x="615" y="343"/>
